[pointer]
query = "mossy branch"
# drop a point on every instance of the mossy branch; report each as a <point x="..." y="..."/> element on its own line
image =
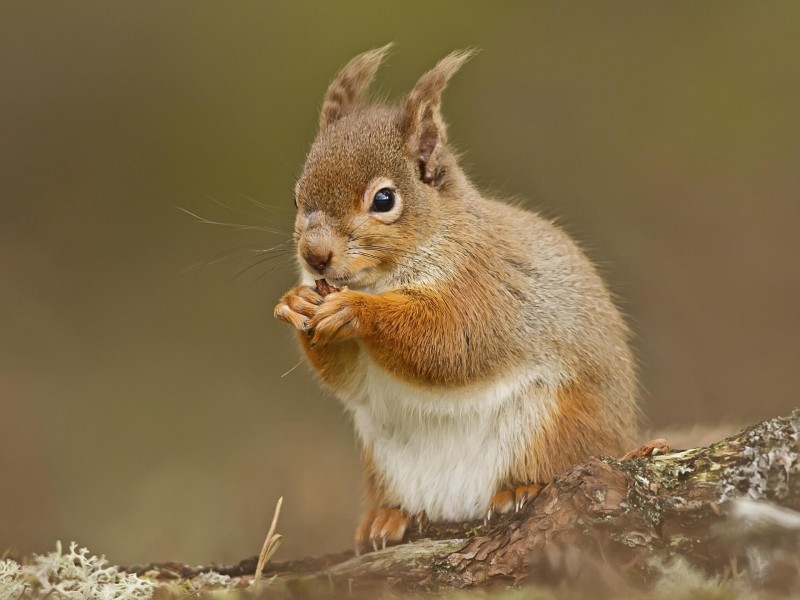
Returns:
<point x="607" y="523"/>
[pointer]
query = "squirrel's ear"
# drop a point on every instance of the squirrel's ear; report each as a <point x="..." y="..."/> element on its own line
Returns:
<point x="345" y="93"/>
<point x="421" y="120"/>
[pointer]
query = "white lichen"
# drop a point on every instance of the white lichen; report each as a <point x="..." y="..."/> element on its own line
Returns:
<point x="765" y="475"/>
<point x="73" y="575"/>
<point x="11" y="584"/>
<point x="209" y="580"/>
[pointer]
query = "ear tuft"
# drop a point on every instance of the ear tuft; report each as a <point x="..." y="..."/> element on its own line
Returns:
<point x="347" y="89"/>
<point x="421" y="121"/>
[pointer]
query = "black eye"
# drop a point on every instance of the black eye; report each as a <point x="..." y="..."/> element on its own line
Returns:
<point x="383" y="201"/>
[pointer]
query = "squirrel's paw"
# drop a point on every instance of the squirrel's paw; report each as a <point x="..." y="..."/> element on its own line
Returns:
<point x="334" y="319"/>
<point x="298" y="306"/>
<point x="651" y="448"/>
<point x="513" y="499"/>
<point x="381" y="527"/>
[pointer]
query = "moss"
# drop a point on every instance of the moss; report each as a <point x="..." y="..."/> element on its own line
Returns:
<point x="474" y="532"/>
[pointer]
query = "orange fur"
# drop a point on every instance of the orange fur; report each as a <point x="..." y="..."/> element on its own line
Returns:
<point x="577" y="429"/>
<point x="375" y="487"/>
<point x="426" y="336"/>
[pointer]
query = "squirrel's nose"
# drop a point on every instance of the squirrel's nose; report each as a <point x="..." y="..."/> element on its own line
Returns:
<point x="319" y="260"/>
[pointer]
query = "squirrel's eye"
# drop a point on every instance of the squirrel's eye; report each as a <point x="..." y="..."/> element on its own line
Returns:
<point x="383" y="201"/>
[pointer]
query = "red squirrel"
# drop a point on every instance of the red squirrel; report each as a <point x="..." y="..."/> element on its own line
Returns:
<point x="475" y="346"/>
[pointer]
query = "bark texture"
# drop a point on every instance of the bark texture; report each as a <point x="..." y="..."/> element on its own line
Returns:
<point x="725" y="509"/>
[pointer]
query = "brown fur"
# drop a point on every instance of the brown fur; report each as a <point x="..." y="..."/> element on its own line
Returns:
<point x="346" y="91"/>
<point x="452" y="289"/>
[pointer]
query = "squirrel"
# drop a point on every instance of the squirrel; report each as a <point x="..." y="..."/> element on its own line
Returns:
<point x="473" y="343"/>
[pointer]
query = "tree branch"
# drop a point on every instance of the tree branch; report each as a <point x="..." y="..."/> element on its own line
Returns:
<point x="605" y="523"/>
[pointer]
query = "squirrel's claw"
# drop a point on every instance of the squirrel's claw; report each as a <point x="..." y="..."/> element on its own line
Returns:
<point x="381" y="527"/>
<point x="512" y="499"/>
<point x="283" y="313"/>
<point x="298" y="306"/>
<point x="500" y="504"/>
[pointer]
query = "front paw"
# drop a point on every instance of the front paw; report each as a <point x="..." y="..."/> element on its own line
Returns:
<point x="298" y="306"/>
<point x="381" y="527"/>
<point x="335" y="320"/>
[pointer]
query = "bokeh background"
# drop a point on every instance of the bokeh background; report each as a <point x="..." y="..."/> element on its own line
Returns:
<point x="144" y="410"/>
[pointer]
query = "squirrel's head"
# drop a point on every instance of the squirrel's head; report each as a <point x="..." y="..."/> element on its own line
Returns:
<point x="375" y="177"/>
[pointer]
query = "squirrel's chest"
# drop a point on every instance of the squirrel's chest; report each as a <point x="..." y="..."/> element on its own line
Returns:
<point x="445" y="451"/>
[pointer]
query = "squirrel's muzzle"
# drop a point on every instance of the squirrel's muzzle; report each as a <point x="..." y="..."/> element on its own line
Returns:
<point x="318" y="259"/>
<point x="319" y="244"/>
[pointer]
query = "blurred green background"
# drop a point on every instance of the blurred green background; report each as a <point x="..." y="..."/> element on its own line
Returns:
<point x="143" y="410"/>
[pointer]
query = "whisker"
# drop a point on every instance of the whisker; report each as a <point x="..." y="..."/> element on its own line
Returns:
<point x="267" y="207"/>
<point x="367" y="241"/>
<point x="235" y="226"/>
<point x="410" y="264"/>
<point x="249" y="248"/>
<point x="365" y="254"/>
<point x="236" y="210"/>
<point x="352" y="231"/>
<point x="283" y="253"/>
<point x="271" y="270"/>
<point x="391" y="251"/>
<point x="300" y="362"/>
<point x="261" y="261"/>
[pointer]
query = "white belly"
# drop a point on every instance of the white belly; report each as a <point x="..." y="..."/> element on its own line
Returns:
<point x="447" y="452"/>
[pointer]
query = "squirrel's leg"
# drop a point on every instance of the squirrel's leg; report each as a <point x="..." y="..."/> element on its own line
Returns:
<point x="575" y="428"/>
<point x="381" y="525"/>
